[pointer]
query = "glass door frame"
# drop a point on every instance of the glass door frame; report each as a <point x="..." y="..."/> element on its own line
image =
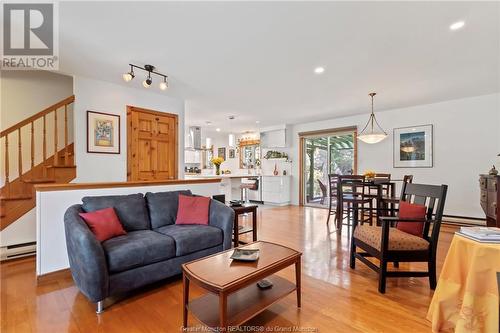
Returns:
<point x="302" y="155"/>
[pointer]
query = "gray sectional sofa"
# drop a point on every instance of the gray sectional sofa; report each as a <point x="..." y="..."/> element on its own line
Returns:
<point x="153" y="248"/>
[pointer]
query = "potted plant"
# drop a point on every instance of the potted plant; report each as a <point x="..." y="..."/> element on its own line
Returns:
<point x="217" y="161"/>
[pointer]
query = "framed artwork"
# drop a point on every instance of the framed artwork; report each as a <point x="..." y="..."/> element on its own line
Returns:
<point x="232" y="153"/>
<point x="413" y="147"/>
<point x="221" y="152"/>
<point x="103" y="133"/>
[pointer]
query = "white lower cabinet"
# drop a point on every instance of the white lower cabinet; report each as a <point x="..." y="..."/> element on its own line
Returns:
<point x="276" y="190"/>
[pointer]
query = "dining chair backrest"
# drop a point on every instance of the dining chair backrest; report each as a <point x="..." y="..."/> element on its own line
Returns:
<point x="323" y="188"/>
<point x="408" y="179"/>
<point x="383" y="177"/>
<point x="433" y="197"/>
<point x="333" y="182"/>
<point x="352" y="185"/>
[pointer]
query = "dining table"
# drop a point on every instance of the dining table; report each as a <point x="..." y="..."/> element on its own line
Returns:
<point x="378" y="185"/>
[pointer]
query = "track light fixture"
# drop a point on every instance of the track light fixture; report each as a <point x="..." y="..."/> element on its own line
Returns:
<point x="150" y="69"/>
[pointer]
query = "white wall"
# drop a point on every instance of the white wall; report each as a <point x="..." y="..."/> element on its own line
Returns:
<point x="466" y="143"/>
<point x="93" y="95"/>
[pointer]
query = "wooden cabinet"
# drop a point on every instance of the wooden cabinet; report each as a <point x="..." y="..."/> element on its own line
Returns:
<point x="489" y="198"/>
<point x="151" y="144"/>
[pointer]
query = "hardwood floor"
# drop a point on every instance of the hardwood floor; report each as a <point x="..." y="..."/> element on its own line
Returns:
<point x="334" y="297"/>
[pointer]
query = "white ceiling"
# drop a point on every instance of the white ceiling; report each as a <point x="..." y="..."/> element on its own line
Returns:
<point x="255" y="60"/>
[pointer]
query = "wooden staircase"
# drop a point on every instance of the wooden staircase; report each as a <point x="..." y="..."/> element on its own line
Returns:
<point x="53" y="165"/>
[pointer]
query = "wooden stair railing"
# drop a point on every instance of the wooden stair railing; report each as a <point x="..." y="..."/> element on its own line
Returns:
<point x="20" y="188"/>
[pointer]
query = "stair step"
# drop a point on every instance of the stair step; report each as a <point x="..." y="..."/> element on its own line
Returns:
<point x="39" y="181"/>
<point x="16" y="197"/>
<point x="60" y="166"/>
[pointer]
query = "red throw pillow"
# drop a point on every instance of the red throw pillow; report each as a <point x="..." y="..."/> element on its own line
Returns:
<point x="103" y="223"/>
<point x="192" y="210"/>
<point x="411" y="211"/>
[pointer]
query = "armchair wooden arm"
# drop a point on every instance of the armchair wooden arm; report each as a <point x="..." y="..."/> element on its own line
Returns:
<point x="397" y="219"/>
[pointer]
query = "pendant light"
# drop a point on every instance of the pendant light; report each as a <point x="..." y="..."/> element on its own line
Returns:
<point x="370" y="134"/>
<point x="231" y="136"/>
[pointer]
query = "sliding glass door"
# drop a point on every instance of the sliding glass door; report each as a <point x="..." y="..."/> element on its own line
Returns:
<point x="332" y="152"/>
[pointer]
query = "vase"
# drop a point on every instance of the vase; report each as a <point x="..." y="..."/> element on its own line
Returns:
<point x="217" y="170"/>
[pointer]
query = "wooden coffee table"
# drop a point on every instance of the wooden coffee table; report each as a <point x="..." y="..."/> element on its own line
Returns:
<point x="233" y="296"/>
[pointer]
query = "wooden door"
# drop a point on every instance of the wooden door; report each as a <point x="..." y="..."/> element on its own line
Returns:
<point x="152" y="144"/>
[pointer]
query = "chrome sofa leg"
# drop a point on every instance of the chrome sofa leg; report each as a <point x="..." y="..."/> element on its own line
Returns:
<point x="100" y="307"/>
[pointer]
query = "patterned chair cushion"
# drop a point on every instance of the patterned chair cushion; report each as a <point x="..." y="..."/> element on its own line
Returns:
<point x="398" y="240"/>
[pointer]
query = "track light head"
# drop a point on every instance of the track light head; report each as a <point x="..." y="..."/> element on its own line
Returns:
<point x="164" y="84"/>
<point x="146" y="83"/>
<point x="127" y="77"/>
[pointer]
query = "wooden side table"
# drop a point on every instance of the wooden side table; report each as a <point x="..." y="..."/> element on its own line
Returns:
<point x="240" y="210"/>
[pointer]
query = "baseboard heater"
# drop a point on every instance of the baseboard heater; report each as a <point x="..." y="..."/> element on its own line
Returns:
<point x="17" y="251"/>
<point x="463" y="220"/>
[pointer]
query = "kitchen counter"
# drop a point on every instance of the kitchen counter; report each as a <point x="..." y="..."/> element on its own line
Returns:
<point x="273" y="190"/>
<point x="230" y="176"/>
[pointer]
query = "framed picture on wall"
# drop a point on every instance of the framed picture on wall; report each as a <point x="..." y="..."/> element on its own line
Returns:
<point x="103" y="133"/>
<point x="232" y="153"/>
<point x="413" y="147"/>
<point x="221" y="152"/>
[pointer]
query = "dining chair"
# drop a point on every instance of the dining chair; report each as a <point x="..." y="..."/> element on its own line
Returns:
<point x="380" y="182"/>
<point x="323" y="192"/>
<point x="333" y="204"/>
<point x="389" y="244"/>
<point x="353" y="199"/>
<point x="389" y="203"/>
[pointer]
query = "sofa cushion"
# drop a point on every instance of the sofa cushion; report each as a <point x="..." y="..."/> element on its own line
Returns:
<point x="103" y="223"/>
<point x="192" y="238"/>
<point x="163" y="207"/>
<point x="137" y="248"/>
<point x="131" y="209"/>
<point x="193" y="210"/>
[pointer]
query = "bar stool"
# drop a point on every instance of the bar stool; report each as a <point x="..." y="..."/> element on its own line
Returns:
<point x="244" y="187"/>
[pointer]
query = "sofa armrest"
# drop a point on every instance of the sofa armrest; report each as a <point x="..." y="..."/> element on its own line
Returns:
<point x="222" y="217"/>
<point x="86" y="256"/>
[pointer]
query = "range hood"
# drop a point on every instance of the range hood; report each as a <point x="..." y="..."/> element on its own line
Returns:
<point x="194" y="138"/>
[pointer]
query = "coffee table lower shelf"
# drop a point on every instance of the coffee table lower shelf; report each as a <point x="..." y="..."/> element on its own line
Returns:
<point x="242" y="305"/>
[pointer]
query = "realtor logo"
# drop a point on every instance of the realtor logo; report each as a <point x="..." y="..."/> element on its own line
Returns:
<point x="29" y="36"/>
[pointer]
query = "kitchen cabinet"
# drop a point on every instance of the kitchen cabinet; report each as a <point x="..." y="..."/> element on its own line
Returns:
<point x="276" y="190"/>
<point x="192" y="156"/>
<point x="273" y="139"/>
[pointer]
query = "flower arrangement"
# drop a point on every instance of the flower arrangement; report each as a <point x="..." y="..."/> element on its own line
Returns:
<point x="369" y="174"/>
<point x="217" y="161"/>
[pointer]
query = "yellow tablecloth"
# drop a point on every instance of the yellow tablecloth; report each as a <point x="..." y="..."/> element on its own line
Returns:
<point x="466" y="296"/>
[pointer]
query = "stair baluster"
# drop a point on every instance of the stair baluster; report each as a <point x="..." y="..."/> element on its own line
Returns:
<point x="56" y="152"/>
<point x="20" y="154"/>
<point x="32" y="145"/>
<point x="7" y="180"/>
<point x="66" y="153"/>
<point x="44" y="147"/>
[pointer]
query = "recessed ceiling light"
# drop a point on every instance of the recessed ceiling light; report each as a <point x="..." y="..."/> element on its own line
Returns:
<point x="319" y="70"/>
<point x="217" y="129"/>
<point x="208" y="123"/>
<point x="257" y="121"/>
<point x="457" y="25"/>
